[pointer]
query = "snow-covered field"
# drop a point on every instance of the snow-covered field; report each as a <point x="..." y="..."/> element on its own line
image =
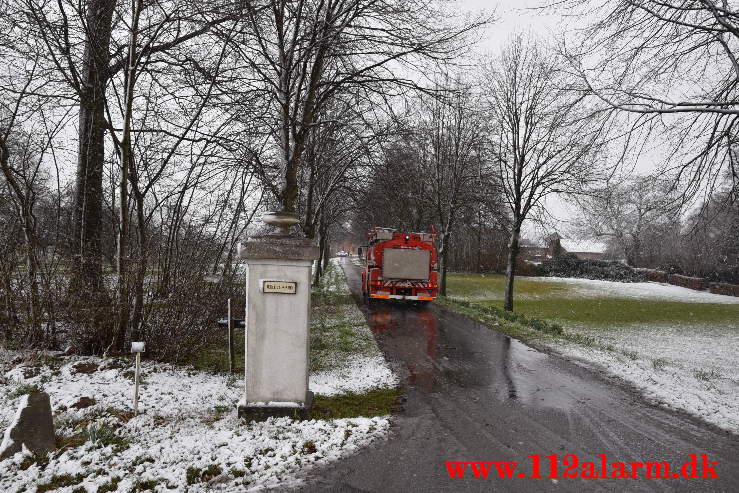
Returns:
<point x="589" y="288"/>
<point x="188" y="437"/>
<point x="689" y="370"/>
<point x="688" y="366"/>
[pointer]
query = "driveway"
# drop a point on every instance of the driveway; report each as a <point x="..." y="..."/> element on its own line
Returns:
<point x="473" y="394"/>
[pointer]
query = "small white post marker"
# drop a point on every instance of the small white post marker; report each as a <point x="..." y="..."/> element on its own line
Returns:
<point x="138" y="348"/>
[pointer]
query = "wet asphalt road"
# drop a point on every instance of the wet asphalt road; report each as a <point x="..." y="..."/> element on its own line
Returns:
<point x="474" y="394"/>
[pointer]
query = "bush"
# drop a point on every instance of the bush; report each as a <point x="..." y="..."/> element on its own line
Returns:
<point x="569" y="265"/>
<point x="524" y="268"/>
<point x="730" y="276"/>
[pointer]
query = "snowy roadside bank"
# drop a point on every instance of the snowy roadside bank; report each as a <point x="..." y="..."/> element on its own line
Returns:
<point x="344" y="354"/>
<point x="188" y="437"/>
<point x="689" y="371"/>
<point x="692" y="367"/>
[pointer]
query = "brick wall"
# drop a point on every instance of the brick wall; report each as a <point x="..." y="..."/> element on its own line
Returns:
<point x="654" y="275"/>
<point x="697" y="283"/>
<point x="724" y="288"/>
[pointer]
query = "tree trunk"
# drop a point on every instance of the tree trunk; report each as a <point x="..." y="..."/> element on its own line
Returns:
<point x="32" y="266"/>
<point x="138" y="287"/>
<point x="319" y="267"/>
<point x="510" y="273"/>
<point x="88" y="198"/>
<point x="23" y="200"/>
<point x="326" y="252"/>
<point x="478" y="267"/>
<point x="127" y="164"/>
<point x="124" y="310"/>
<point x="636" y="252"/>
<point x="444" y="251"/>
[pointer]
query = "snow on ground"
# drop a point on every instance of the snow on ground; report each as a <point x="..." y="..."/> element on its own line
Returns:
<point x="696" y="384"/>
<point x="687" y="366"/>
<point x="357" y="375"/>
<point x="359" y="369"/>
<point x="188" y="421"/>
<point x="188" y="426"/>
<point x="591" y="288"/>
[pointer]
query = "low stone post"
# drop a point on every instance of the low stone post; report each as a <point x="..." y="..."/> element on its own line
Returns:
<point x="33" y="426"/>
<point x="278" y="283"/>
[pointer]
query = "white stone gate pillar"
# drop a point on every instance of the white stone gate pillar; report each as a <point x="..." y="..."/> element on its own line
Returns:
<point x="278" y="289"/>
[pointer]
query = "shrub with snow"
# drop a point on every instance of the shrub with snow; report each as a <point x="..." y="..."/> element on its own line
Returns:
<point x="569" y="265"/>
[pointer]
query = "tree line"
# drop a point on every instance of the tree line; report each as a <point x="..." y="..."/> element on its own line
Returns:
<point x="140" y="141"/>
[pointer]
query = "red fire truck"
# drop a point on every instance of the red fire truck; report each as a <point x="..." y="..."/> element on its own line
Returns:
<point x="400" y="266"/>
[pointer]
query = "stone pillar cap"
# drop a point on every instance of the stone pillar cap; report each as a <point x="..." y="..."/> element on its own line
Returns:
<point x="278" y="247"/>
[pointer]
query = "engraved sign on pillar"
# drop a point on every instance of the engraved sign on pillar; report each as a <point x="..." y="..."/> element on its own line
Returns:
<point x="283" y="287"/>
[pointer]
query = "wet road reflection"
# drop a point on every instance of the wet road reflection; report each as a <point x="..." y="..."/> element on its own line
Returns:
<point x="434" y="359"/>
<point x="506" y="367"/>
<point x="414" y="333"/>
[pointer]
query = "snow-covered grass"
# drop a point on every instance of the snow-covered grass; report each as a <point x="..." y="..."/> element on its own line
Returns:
<point x="589" y="288"/>
<point x="344" y="354"/>
<point x="589" y="303"/>
<point x="691" y="368"/>
<point x="492" y="287"/>
<point x="677" y="346"/>
<point x="188" y="437"/>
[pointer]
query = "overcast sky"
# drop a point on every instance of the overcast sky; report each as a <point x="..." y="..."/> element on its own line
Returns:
<point x="515" y="16"/>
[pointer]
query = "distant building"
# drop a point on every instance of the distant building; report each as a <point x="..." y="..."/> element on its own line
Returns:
<point x="556" y="245"/>
<point x="582" y="248"/>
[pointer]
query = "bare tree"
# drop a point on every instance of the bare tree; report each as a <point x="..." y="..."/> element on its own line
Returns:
<point x="710" y="247"/>
<point x="546" y="139"/>
<point x="300" y="54"/>
<point x="140" y="63"/>
<point x="84" y="70"/>
<point x="670" y="66"/>
<point x="451" y="142"/>
<point x="628" y="213"/>
<point x="394" y="190"/>
<point x="337" y="147"/>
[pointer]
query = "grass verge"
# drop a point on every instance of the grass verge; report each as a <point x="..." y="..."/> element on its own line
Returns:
<point x="378" y="402"/>
<point x="525" y="328"/>
<point x="608" y="312"/>
<point x="566" y="304"/>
